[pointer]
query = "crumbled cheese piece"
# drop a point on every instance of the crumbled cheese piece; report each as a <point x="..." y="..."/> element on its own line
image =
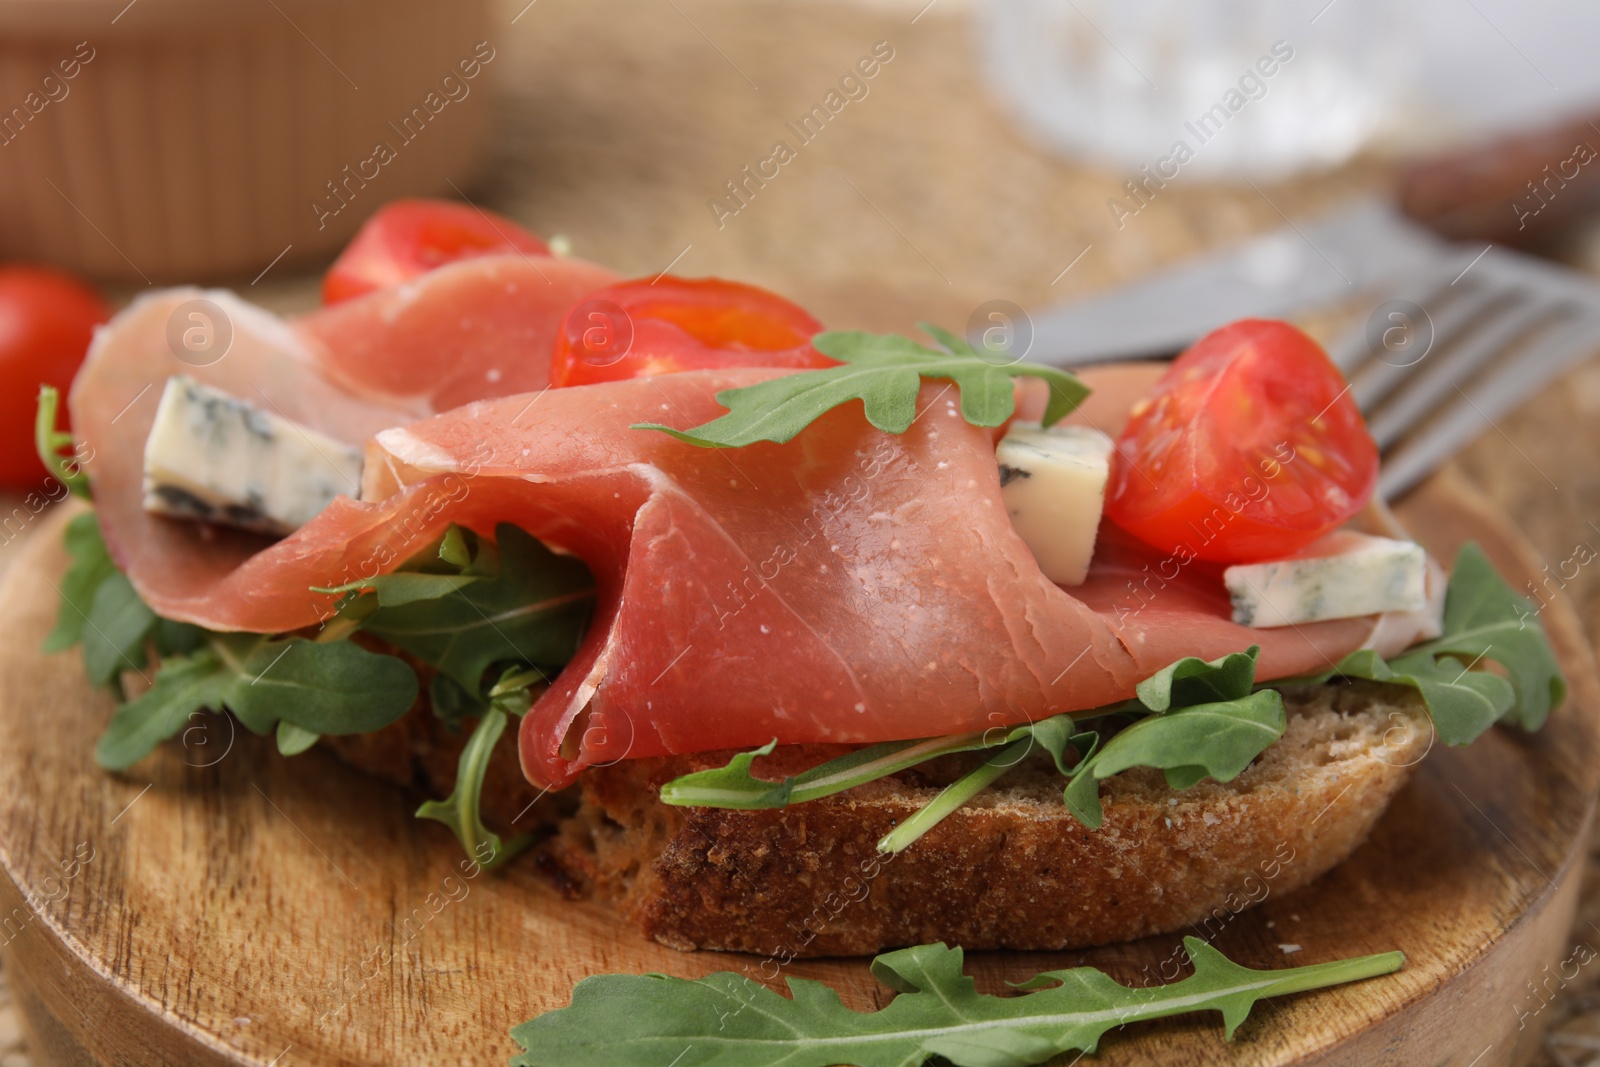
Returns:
<point x="214" y="458"/>
<point x="1341" y="576"/>
<point x="1053" y="482"/>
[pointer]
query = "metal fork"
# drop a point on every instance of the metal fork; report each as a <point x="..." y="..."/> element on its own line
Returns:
<point x="1479" y="337"/>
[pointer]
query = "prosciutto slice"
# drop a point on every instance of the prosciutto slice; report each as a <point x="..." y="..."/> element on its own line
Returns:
<point x="849" y="586"/>
<point x="475" y="329"/>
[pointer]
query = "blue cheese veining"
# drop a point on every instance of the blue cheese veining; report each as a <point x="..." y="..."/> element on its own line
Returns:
<point x="1341" y="576"/>
<point x="1053" y="483"/>
<point x="212" y="457"/>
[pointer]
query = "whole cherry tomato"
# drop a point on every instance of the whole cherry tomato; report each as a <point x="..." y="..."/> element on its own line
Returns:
<point x="47" y="319"/>
<point x="1250" y="448"/>
<point x="408" y="238"/>
<point x="642" y="328"/>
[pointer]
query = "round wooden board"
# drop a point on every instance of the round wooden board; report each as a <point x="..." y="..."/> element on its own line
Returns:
<point x="223" y="905"/>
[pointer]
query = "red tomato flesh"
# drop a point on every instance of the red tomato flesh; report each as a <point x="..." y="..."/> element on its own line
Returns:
<point x="408" y="238"/>
<point x="47" y="319"/>
<point x="643" y="328"/>
<point x="1249" y="448"/>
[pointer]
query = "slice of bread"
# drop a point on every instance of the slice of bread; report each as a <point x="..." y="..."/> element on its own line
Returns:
<point x="1011" y="869"/>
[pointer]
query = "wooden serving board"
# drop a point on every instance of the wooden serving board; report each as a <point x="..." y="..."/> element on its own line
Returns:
<point x="223" y="905"/>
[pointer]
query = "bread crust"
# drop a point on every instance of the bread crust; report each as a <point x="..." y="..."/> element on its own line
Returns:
<point x="1011" y="869"/>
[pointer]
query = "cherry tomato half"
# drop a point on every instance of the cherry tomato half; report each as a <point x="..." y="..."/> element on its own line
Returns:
<point x="642" y="328"/>
<point x="407" y="238"/>
<point x="47" y="319"/>
<point x="1249" y="448"/>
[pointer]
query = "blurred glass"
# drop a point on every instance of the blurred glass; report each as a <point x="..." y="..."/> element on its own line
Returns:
<point x="1501" y="65"/>
<point x="1252" y="88"/>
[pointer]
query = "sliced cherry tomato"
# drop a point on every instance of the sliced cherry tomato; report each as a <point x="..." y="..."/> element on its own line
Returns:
<point x="47" y="319"/>
<point x="1249" y="448"/>
<point x="642" y="328"/>
<point x="411" y="237"/>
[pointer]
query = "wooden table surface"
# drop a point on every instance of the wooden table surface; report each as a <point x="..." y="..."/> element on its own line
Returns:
<point x="920" y="201"/>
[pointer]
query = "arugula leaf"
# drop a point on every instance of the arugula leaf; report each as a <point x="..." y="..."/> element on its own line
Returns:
<point x="884" y="372"/>
<point x="115" y="630"/>
<point x="648" y="1020"/>
<point x="1195" y="681"/>
<point x="1483" y="620"/>
<point x="404" y="587"/>
<point x="732" y="786"/>
<point x="1183" y="684"/>
<point x="91" y="566"/>
<point x="456" y="560"/>
<point x="1208" y="740"/>
<point x="293" y="740"/>
<point x="1057" y="735"/>
<point x="1463" y="703"/>
<point x="462" y="809"/>
<point x="533" y="610"/>
<point x="182" y="687"/>
<point x="334" y="688"/>
<point x="49" y="442"/>
<point x="953" y="796"/>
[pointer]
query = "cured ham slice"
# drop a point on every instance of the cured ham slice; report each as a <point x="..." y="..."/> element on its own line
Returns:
<point x="476" y="329"/>
<point x="479" y="328"/>
<point x="178" y="567"/>
<point x="849" y="586"/>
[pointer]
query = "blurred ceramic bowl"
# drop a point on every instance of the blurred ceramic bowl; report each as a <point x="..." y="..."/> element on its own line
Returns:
<point x="190" y="140"/>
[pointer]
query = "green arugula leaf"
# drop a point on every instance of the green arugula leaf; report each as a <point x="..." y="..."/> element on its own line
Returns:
<point x="49" y="442"/>
<point x="334" y="688"/>
<point x="1195" y="681"/>
<point x="728" y="1020"/>
<point x="462" y="809"/>
<point x="533" y="610"/>
<point x="1463" y="703"/>
<point x="91" y="567"/>
<point x="733" y="786"/>
<point x="954" y="795"/>
<point x="176" y="638"/>
<point x="1057" y="735"/>
<point x="1186" y="683"/>
<point x="293" y="740"/>
<point x="1483" y="620"/>
<point x="455" y="561"/>
<point x="183" y="686"/>
<point x="115" y="631"/>
<point x="404" y="587"/>
<point x="1207" y="740"/>
<point x="884" y="372"/>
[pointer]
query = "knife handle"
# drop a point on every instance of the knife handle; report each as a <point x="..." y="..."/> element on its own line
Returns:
<point x="1517" y="190"/>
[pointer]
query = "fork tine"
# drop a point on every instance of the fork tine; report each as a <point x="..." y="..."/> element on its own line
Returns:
<point x="1500" y="391"/>
<point x="1432" y="380"/>
<point x="1351" y="350"/>
<point x="1457" y="317"/>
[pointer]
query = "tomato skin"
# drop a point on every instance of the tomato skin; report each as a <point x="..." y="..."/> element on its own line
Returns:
<point x="408" y="238"/>
<point x="1249" y="449"/>
<point x="642" y="328"/>
<point x="47" y="319"/>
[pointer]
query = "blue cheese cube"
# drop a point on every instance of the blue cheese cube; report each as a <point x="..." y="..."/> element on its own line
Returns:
<point x="1053" y="482"/>
<point x="211" y="457"/>
<point x="1344" y="575"/>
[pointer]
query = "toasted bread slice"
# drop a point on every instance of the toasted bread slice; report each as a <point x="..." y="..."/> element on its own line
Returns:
<point x="1012" y="869"/>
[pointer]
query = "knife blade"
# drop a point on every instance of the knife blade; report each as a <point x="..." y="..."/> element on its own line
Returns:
<point x="1338" y="255"/>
